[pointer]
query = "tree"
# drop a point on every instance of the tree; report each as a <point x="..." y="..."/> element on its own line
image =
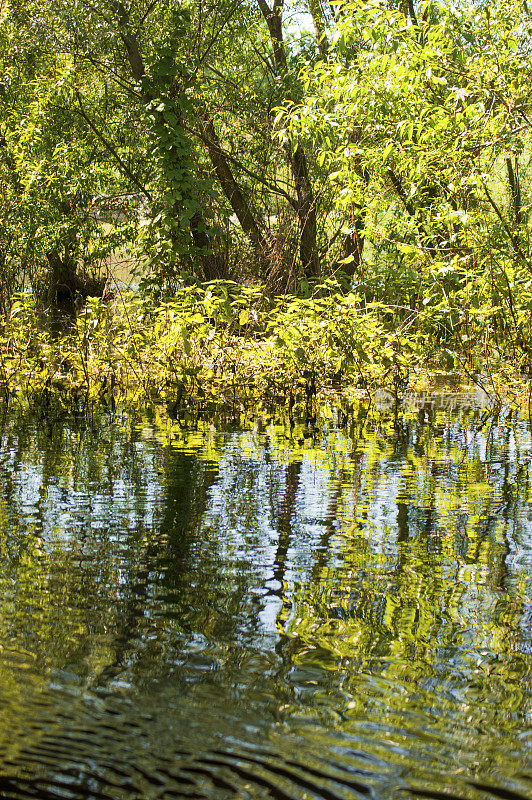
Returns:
<point x="53" y="166"/>
<point x="420" y="119"/>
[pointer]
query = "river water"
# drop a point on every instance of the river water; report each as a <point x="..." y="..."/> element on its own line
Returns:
<point x="214" y="607"/>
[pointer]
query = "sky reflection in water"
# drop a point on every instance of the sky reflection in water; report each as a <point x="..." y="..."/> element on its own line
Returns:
<point x="218" y="609"/>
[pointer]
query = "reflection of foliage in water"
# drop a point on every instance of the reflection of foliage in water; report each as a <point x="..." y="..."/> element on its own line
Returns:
<point x="418" y="615"/>
<point x="366" y="581"/>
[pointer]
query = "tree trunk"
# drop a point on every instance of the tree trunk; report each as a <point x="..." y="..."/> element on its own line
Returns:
<point x="297" y="160"/>
<point x="319" y="27"/>
<point x="63" y="288"/>
<point x="515" y="189"/>
<point x="213" y="265"/>
<point x="232" y="191"/>
<point x="306" y="212"/>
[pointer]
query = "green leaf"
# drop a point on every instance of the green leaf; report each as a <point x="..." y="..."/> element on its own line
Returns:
<point x="387" y="150"/>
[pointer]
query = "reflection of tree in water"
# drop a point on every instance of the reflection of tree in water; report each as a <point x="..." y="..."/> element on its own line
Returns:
<point x="138" y="556"/>
<point x="409" y="608"/>
<point x="161" y="585"/>
<point x="78" y="501"/>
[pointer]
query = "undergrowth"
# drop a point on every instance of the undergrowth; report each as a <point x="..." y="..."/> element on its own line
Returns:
<point x="226" y="342"/>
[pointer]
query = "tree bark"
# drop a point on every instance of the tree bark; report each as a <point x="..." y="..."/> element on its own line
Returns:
<point x="306" y="212"/>
<point x="232" y="190"/>
<point x="319" y="27"/>
<point x="515" y="189"/>
<point x="297" y="160"/>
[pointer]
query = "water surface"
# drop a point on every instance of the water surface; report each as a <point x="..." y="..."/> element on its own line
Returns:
<point x="225" y="608"/>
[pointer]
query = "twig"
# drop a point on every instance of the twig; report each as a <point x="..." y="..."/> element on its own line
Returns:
<point x="111" y="149"/>
<point x="512" y="238"/>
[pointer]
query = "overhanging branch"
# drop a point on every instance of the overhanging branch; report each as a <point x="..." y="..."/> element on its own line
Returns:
<point x="111" y="149"/>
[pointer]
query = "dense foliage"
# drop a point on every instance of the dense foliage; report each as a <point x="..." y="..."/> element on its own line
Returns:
<point x="385" y="147"/>
<point x="226" y="343"/>
<point x="221" y="342"/>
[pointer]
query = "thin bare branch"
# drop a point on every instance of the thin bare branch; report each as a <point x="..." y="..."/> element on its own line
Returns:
<point x="513" y="239"/>
<point x="111" y="149"/>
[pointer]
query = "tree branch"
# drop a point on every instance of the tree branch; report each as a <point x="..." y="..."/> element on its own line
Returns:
<point x="130" y="41"/>
<point x="111" y="149"/>
<point x="218" y="33"/>
<point x="264" y="8"/>
<point x="515" y="187"/>
<point x="272" y="188"/>
<point x="106" y="71"/>
<point x="398" y="186"/>
<point x="515" y="242"/>
<point x="147" y="13"/>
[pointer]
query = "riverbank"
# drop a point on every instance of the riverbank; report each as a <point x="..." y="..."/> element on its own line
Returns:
<point x="225" y="342"/>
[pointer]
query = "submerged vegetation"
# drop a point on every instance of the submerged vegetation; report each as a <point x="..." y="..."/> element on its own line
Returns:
<point x="224" y="342"/>
<point x="336" y="206"/>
